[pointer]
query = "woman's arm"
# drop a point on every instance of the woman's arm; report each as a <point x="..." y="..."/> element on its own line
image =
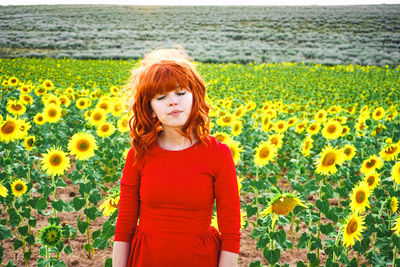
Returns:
<point x="120" y="254"/>
<point x="228" y="259"/>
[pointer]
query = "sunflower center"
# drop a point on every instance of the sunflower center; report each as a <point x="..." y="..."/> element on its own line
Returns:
<point x="125" y="123"/>
<point x="347" y="151"/>
<point x="53" y="102"/>
<point x="97" y="117"/>
<point x="8" y="127"/>
<point x="280" y="125"/>
<point x="274" y="141"/>
<point x="360" y="196"/>
<point x="83" y="145"/>
<point x="48" y="84"/>
<point x="16" y="107"/>
<point x="40" y="118"/>
<point x="264" y="153"/>
<point x="331" y="129"/>
<point x="55" y="160"/>
<point x="312" y="127"/>
<point x="227" y="119"/>
<point x="371" y="163"/>
<point x="30" y="142"/>
<point x="236" y="127"/>
<point x="329" y="159"/>
<point x="371" y="180"/>
<point x="307" y="146"/>
<point x="81" y="103"/>
<point x="104" y="106"/>
<point x="105" y="128"/>
<point x="391" y="150"/>
<point x="19" y="187"/>
<point x="320" y="115"/>
<point x="378" y="113"/>
<point x="352" y="227"/>
<point x="52" y="113"/>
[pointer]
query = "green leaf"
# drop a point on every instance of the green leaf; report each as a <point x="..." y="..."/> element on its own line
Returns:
<point x="68" y="250"/>
<point x="303" y="240"/>
<point x="300" y="264"/>
<point x="23" y="230"/>
<point x="91" y="213"/>
<point x="251" y="211"/>
<point x="5" y="233"/>
<point x="87" y="247"/>
<point x="108" y="262"/>
<point x="78" y="203"/>
<point x="32" y="222"/>
<point x="60" y="183"/>
<point x="82" y="226"/>
<point x="95" y="196"/>
<point x="95" y="234"/>
<point x="312" y="258"/>
<point x="27" y="255"/>
<point x="58" y="205"/>
<point x="272" y="256"/>
<point x="100" y="243"/>
<point x="14" y="218"/>
<point x="41" y="204"/>
<point x="17" y="244"/>
<point x="30" y="239"/>
<point x="327" y="229"/>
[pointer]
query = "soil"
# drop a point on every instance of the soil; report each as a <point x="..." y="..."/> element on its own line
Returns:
<point x="248" y="250"/>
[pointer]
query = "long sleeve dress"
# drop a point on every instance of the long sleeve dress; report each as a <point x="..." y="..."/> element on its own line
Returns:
<point x="171" y="194"/>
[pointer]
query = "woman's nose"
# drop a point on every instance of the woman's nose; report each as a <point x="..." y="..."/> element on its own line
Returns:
<point x="173" y="100"/>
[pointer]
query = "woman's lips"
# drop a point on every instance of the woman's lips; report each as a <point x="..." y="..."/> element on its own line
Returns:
<point x="175" y="113"/>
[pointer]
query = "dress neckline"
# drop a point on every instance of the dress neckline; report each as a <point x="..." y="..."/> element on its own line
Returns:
<point x="181" y="150"/>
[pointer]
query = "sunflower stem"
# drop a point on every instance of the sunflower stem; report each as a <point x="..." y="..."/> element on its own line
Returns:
<point x="394" y="255"/>
<point x="319" y="220"/>
<point x="291" y="229"/>
<point x="54" y="195"/>
<point x="47" y="254"/>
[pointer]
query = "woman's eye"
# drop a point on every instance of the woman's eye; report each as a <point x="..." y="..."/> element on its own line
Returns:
<point x="181" y="93"/>
<point x="161" y="97"/>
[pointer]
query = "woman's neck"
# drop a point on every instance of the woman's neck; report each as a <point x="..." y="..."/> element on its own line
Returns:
<point x="170" y="139"/>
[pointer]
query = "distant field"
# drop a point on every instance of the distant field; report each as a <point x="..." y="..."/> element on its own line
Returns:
<point x="365" y="35"/>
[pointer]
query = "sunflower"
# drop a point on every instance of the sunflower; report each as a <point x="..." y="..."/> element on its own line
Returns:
<point x="26" y="99"/>
<point x="9" y="130"/>
<point x="372" y="180"/>
<point x="300" y="127"/>
<point x="276" y="140"/>
<point x="24" y="126"/>
<point x="345" y="130"/>
<point x="39" y="119"/>
<point x="114" y="90"/>
<point x="378" y="114"/>
<point x="395" y="173"/>
<point x="396" y="227"/>
<point x="313" y="128"/>
<point x="55" y="161"/>
<point x="64" y="100"/>
<point x="29" y="142"/>
<point x="50" y="235"/>
<point x="320" y="116"/>
<point x="125" y="154"/>
<point x="48" y="85"/>
<point x="235" y="150"/>
<point x="306" y="145"/>
<point x="236" y="128"/>
<point x="104" y="105"/>
<point x="352" y="229"/>
<point x="394" y="204"/>
<point x="82" y="145"/>
<point x="106" y="129"/>
<point x="371" y="164"/>
<point x="117" y="108"/>
<point x="250" y="105"/>
<point x="109" y="205"/>
<point x="265" y="123"/>
<point x="98" y="117"/>
<point x="51" y="99"/>
<point x="15" y="107"/>
<point x="329" y="158"/>
<point x="13" y="81"/>
<point x="19" y="187"/>
<point x="391" y="114"/>
<point x="390" y="152"/>
<point x="52" y="113"/>
<point x="225" y="120"/>
<point x="332" y="130"/>
<point x="265" y="152"/>
<point x="282" y="204"/>
<point x="123" y="124"/>
<point x="222" y="137"/>
<point x="359" y="197"/>
<point x="239" y="112"/>
<point x="280" y="126"/>
<point x="349" y="151"/>
<point x="81" y="103"/>
<point x="3" y="191"/>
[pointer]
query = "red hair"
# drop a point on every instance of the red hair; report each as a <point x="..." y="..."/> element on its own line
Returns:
<point x="158" y="76"/>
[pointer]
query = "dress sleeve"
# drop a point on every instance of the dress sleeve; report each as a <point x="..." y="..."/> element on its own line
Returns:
<point x="228" y="201"/>
<point x="128" y="211"/>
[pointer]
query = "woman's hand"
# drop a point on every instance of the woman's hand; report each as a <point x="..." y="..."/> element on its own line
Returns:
<point x="120" y="254"/>
<point x="228" y="259"/>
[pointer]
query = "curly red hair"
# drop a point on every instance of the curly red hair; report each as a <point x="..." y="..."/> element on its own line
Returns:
<point x="160" y="72"/>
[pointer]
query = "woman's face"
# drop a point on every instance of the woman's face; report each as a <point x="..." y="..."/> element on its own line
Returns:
<point x="173" y="109"/>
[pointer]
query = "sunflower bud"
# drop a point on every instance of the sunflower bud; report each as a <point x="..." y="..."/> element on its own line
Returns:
<point x="50" y="235"/>
<point x="88" y="126"/>
<point x="368" y="122"/>
<point x="349" y="137"/>
<point x="7" y="161"/>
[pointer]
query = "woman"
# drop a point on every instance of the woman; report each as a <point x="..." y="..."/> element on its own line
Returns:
<point x="173" y="172"/>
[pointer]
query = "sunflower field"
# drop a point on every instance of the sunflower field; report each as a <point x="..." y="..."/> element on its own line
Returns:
<point x="316" y="150"/>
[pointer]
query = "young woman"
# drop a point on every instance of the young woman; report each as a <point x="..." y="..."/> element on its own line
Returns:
<point x="173" y="172"/>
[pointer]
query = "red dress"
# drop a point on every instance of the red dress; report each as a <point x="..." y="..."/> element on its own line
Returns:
<point x="172" y="194"/>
